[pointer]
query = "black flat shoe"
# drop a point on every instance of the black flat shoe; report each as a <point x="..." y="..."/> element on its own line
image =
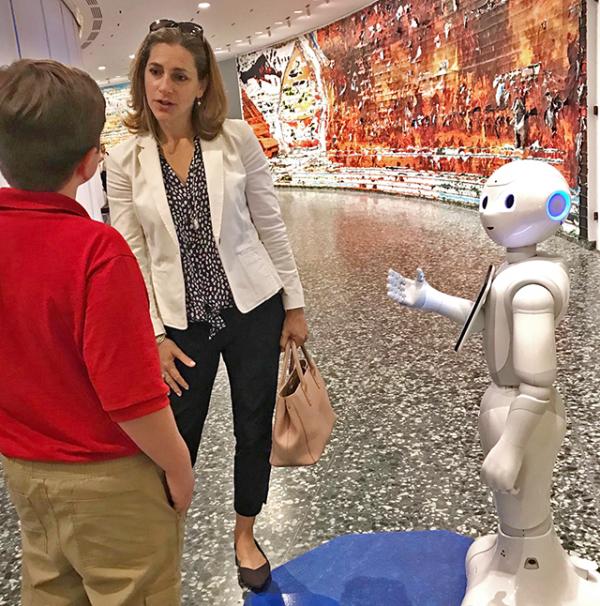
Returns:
<point x="253" y="579"/>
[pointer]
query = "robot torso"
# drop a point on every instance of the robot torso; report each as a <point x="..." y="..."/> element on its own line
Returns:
<point x="549" y="272"/>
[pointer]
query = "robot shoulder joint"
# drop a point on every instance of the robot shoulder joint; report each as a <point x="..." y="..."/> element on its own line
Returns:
<point x="533" y="298"/>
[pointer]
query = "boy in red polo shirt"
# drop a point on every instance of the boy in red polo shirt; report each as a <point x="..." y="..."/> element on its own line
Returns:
<point x="94" y="464"/>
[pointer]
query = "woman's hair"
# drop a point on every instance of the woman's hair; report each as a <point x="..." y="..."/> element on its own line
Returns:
<point x="208" y="117"/>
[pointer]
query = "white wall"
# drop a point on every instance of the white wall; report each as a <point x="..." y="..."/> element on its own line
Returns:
<point x="8" y="44"/>
<point x="38" y="29"/>
<point x="45" y="29"/>
<point x="593" y="67"/>
<point x="232" y="87"/>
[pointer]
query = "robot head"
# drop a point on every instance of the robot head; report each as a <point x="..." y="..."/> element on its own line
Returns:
<point x="523" y="203"/>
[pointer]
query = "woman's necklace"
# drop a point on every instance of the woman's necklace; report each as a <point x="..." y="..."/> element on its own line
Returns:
<point x="194" y="210"/>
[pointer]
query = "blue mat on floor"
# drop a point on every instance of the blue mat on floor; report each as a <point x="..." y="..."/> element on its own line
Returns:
<point x="424" y="568"/>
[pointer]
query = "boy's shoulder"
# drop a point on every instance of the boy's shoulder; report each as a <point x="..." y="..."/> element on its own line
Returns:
<point x="101" y="243"/>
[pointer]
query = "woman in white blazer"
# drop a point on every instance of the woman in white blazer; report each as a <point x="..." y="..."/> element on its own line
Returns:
<point x="192" y="195"/>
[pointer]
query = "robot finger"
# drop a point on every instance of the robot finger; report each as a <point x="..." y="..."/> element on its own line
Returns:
<point x="398" y="279"/>
<point x="397" y="297"/>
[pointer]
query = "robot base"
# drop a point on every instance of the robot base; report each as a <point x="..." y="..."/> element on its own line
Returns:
<point x="528" y="571"/>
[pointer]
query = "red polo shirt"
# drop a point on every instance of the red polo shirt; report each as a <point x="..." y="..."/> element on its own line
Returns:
<point x="77" y="349"/>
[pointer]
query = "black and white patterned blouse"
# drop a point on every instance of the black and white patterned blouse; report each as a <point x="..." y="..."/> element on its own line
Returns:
<point x="207" y="290"/>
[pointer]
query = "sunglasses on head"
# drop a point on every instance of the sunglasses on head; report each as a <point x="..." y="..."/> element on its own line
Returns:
<point x="185" y="27"/>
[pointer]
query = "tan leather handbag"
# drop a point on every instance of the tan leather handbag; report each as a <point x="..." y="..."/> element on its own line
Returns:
<point x="304" y="417"/>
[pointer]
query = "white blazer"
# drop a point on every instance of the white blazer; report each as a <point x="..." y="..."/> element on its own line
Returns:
<point x="246" y="220"/>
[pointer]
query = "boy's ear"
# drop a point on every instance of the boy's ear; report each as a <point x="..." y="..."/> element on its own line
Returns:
<point x="88" y="166"/>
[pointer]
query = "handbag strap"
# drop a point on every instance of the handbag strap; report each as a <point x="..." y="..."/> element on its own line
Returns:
<point x="286" y="366"/>
<point x="296" y="361"/>
<point x="291" y="360"/>
<point x="308" y="357"/>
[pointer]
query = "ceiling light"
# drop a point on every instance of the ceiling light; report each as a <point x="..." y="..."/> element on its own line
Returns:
<point x="258" y="33"/>
<point x="218" y="48"/>
<point x="102" y="68"/>
<point x="298" y="12"/>
<point x="278" y="22"/>
<point x="204" y="5"/>
<point x="239" y="41"/>
<point x="132" y="56"/>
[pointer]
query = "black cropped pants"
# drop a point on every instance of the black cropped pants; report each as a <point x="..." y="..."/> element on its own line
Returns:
<point x="249" y="345"/>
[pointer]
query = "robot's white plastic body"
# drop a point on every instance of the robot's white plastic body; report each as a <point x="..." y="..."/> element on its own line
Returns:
<point x="522" y="417"/>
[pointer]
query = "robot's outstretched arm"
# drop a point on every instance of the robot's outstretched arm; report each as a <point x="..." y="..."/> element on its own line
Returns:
<point x="534" y="360"/>
<point x="419" y="294"/>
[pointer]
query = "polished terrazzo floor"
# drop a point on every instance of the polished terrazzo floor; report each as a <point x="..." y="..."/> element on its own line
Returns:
<point x="405" y="452"/>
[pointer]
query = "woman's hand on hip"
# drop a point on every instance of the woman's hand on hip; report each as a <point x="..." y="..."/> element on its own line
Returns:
<point x="294" y="327"/>
<point x="168" y="352"/>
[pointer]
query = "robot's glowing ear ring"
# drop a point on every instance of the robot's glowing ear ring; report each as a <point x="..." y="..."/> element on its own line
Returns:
<point x="558" y="205"/>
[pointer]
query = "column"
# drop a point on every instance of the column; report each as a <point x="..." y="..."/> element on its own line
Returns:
<point x="46" y="29"/>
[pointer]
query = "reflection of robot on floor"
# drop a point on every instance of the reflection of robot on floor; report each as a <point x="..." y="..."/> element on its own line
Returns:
<point x="522" y="418"/>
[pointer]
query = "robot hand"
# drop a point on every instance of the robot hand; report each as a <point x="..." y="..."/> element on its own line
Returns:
<point x="501" y="467"/>
<point x="411" y="293"/>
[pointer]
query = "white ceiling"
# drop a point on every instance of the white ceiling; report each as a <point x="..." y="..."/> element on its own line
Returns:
<point x="124" y="23"/>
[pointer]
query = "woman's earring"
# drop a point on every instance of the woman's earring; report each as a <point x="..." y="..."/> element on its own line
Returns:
<point x="198" y="101"/>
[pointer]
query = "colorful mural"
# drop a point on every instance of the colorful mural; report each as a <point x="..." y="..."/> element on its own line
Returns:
<point x="422" y="98"/>
<point x="117" y="97"/>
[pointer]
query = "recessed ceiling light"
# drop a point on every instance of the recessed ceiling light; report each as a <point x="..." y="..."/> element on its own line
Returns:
<point x="258" y="33"/>
<point x="218" y="48"/>
<point x="132" y="56"/>
<point x="102" y="68"/>
<point x="278" y="22"/>
<point x="204" y="5"/>
<point x="298" y="12"/>
<point x="238" y="41"/>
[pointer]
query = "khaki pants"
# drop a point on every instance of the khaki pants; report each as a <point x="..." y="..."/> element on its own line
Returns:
<point x="100" y="534"/>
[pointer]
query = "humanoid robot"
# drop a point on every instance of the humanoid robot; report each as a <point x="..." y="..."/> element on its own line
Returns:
<point x="522" y="417"/>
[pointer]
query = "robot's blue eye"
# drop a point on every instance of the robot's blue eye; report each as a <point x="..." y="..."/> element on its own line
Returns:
<point x="510" y="201"/>
<point x="484" y="203"/>
<point x="558" y="205"/>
